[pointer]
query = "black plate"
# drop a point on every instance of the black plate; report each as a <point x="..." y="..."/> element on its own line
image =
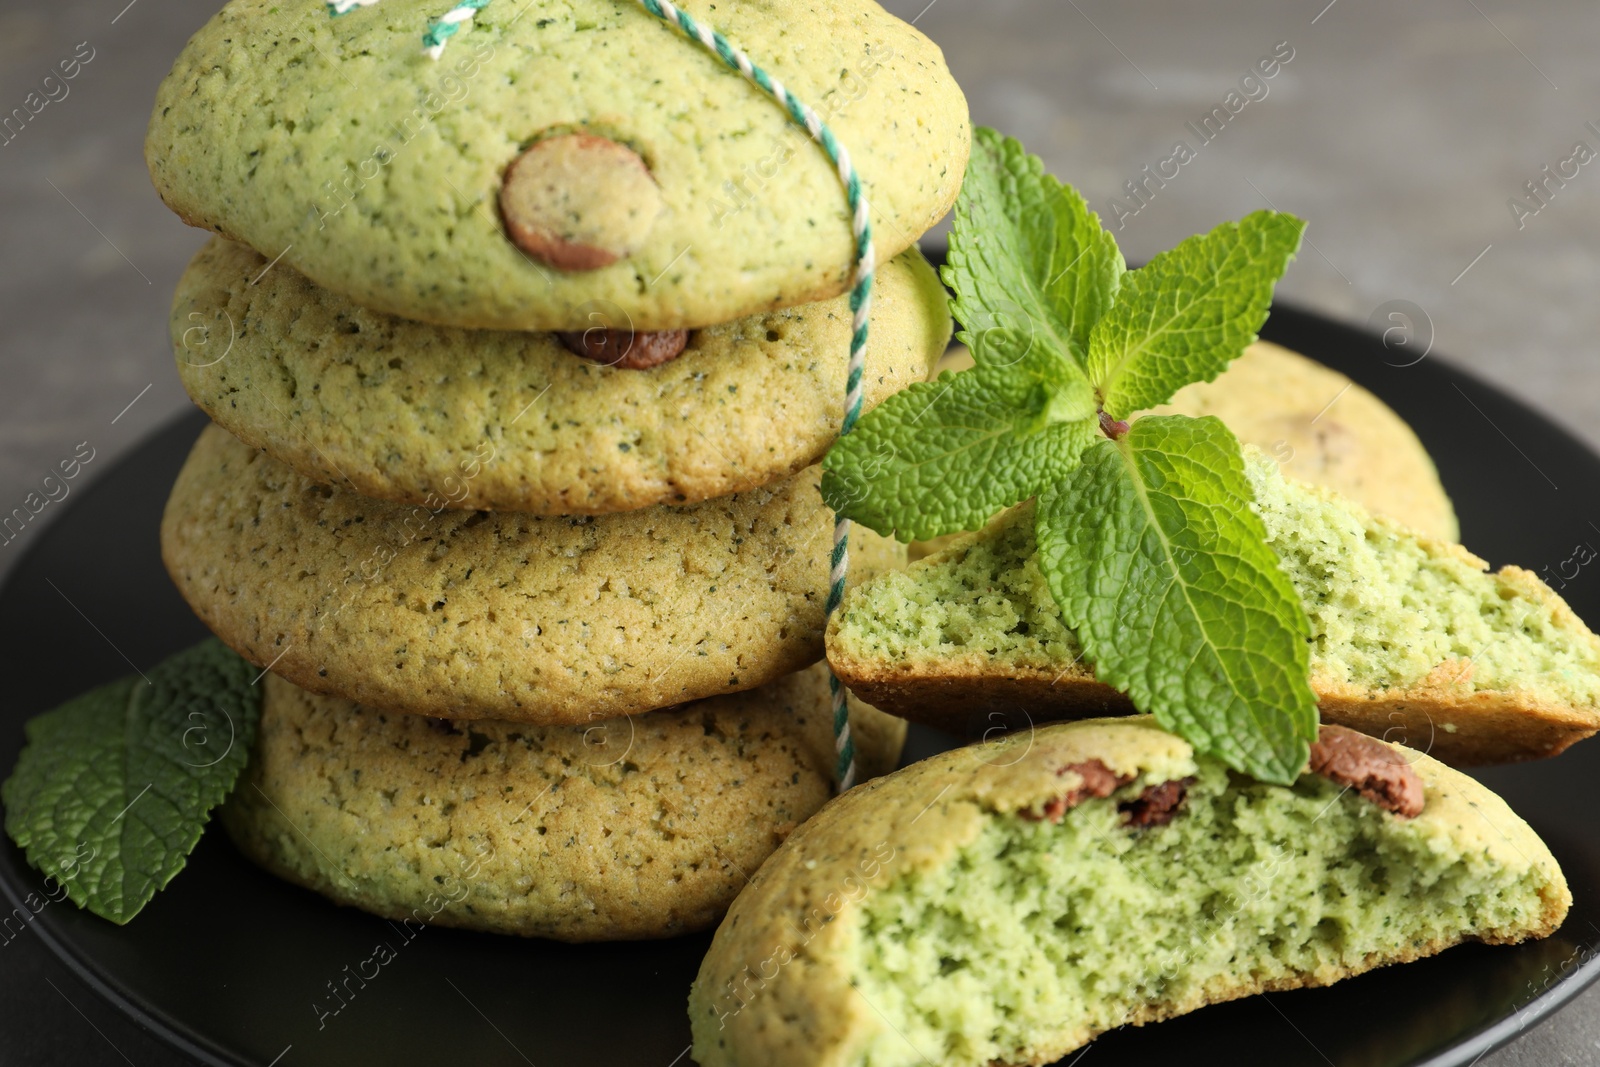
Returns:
<point x="232" y="965"/>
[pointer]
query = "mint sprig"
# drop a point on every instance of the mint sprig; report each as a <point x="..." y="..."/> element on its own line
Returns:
<point x="1175" y="594"/>
<point x="115" y="786"/>
<point x="1147" y="541"/>
<point x="1189" y="312"/>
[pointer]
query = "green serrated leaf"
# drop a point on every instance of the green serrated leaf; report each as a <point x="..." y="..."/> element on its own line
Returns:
<point x="1189" y="312"/>
<point x="1157" y="561"/>
<point x="115" y="786"/>
<point x="943" y="456"/>
<point x="1026" y="253"/>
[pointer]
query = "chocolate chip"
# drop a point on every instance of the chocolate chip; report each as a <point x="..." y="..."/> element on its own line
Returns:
<point x="1370" y="767"/>
<point x="579" y="202"/>
<point x="1098" y="781"/>
<point x="1157" y="805"/>
<point x="626" y="349"/>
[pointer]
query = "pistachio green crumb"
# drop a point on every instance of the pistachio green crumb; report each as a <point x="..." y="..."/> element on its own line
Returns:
<point x="1388" y="608"/>
<point x="1034" y="925"/>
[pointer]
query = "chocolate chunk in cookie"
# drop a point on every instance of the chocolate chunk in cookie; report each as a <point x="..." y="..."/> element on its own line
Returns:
<point x="1370" y="767"/>
<point x="1097" y="779"/>
<point x="1157" y="805"/>
<point x="579" y="202"/>
<point x="627" y="349"/>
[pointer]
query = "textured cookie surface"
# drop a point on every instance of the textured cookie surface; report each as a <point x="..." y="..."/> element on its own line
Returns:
<point x="337" y="144"/>
<point x="509" y="420"/>
<point x="996" y="904"/>
<point x="626" y="828"/>
<point x="1411" y="639"/>
<point x="468" y="614"/>
<point x="1319" y="425"/>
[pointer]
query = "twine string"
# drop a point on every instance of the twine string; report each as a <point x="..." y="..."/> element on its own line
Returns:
<point x="860" y="309"/>
<point x="449" y="24"/>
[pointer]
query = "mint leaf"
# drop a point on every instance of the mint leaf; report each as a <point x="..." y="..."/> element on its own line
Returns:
<point x="115" y="786"/>
<point x="1189" y="312"/>
<point x="1157" y="561"/>
<point x="1026" y="253"/>
<point x="944" y="456"/>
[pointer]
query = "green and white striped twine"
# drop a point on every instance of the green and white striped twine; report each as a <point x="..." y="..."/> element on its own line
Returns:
<point x="446" y="26"/>
<point x="441" y="30"/>
<point x="860" y="307"/>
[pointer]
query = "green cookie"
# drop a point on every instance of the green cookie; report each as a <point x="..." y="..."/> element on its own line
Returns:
<point x="514" y="421"/>
<point x="1412" y="638"/>
<point x="502" y="615"/>
<point x="626" y="828"/>
<point x="661" y="182"/>
<point x="1005" y="903"/>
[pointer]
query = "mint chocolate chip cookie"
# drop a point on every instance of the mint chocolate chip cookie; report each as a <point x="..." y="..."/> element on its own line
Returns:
<point x="515" y="421"/>
<point x="571" y="152"/>
<point x="475" y="614"/>
<point x="1007" y="902"/>
<point x="625" y="828"/>
<point x="1411" y="638"/>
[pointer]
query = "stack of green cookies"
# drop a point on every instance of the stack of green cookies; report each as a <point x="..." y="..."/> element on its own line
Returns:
<point x="521" y="364"/>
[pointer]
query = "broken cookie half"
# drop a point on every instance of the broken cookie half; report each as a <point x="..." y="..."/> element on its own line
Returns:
<point x="1412" y="639"/>
<point x="1007" y="902"/>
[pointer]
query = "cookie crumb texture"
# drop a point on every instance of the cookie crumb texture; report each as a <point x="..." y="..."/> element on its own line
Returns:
<point x="1411" y="638"/>
<point x="337" y="144"/>
<point x="626" y="828"/>
<point x="467" y="614"/>
<point x="922" y="919"/>
<point x="493" y="419"/>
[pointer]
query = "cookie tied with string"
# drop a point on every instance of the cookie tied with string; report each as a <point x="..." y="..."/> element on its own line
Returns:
<point x="555" y="155"/>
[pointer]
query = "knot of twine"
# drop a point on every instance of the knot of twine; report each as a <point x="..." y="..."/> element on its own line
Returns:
<point x="449" y="24"/>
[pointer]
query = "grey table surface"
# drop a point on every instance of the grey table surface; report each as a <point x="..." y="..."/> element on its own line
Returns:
<point x="1400" y="131"/>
